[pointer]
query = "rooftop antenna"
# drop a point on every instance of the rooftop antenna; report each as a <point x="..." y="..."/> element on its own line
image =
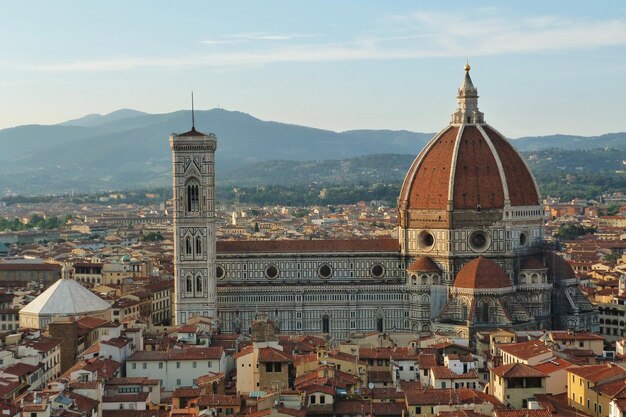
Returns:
<point x="193" y="118"/>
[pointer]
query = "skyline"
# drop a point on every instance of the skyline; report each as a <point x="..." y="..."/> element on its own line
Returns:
<point x="553" y="69"/>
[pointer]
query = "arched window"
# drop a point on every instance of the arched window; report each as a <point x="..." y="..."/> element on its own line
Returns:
<point x="380" y="325"/>
<point x="325" y="324"/>
<point x="189" y="286"/>
<point x="188" y="245"/>
<point x="485" y="313"/>
<point x="198" y="284"/>
<point x="193" y="196"/>
<point x="198" y="245"/>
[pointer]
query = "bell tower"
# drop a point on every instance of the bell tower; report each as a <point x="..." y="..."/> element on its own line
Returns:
<point x="193" y="196"/>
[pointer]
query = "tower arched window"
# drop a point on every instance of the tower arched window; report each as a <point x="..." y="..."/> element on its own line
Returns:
<point x="198" y="245"/>
<point x="188" y="245"/>
<point x="189" y="286"/>
<point x="193" y="196"/>
<point x="380" y="325"/>
<point x="198" y="284"/>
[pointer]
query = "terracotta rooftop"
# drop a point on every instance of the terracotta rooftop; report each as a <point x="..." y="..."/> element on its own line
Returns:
<point x="481" y="273"/>
<point x="178" y="354"/>
<point x="219" y="400"/>
<point x="525" y="350"/>
<point x="599" y="373"/>
<point x="517" y="370"/>
<point x="273" y="246"/>
<point x="553" y="365"/>
<point x="269" y="354"/>
<point x="532" y="262"/>
<point x="522" y="413"/>
<point x="564" y="335"/>
<point x="423" y="264"/>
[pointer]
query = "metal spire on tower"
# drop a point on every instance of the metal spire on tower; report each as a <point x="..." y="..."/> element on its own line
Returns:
<point x="193" y="118"/>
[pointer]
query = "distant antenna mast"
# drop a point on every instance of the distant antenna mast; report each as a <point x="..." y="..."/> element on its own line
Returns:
<point x="193" y="117"/>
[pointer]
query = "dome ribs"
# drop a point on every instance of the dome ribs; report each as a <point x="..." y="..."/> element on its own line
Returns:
<point x="429" y="186"/>
<point x="476" y="180"/>
<point x="522" y="189"/>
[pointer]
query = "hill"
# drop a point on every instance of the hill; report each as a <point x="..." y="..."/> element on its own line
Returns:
<point x="129" y="149"/>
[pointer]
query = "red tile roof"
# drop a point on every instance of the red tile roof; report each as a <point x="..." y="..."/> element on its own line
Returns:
<point x="477" y="180"/>
<point x="564" y="335"/>
<point x="423" y="264"/>
<point x="522" y="189"/>
<point x="220" y="400"/>
<point x="554" y="365"/>
<point x="525" y="350"/>
<point x="532" y="262"/>
<point x="481" y="273"/>
<point x="270" y="354"/>
<point x="272" y="246"/>
<point x="517" y="370"/>
<point x="189" y="353"/>
<point x="599" y="373"/>
<point x="426" y="183"/>
<point x="522" y="413"/>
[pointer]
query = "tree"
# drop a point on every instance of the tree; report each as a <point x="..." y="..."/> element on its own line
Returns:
<point x="153" y="237"/>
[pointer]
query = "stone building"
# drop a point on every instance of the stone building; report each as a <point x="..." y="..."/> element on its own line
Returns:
<point x="470" y="254"/>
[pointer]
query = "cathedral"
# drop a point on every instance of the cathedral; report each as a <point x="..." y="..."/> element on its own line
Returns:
<point x="470" y="255"/>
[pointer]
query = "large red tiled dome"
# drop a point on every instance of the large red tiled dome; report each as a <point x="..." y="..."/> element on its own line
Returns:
<point x="468" y="165"/>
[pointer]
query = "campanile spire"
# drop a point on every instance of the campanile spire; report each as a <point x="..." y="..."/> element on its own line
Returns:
<point x="467" y="102"/>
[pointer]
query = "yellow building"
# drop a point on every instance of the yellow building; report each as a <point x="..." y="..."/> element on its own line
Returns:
<point x="515" y="384"/>
<point x="583" y="384"/>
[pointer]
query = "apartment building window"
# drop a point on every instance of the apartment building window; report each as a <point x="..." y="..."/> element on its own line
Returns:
<point x="194" y="364"/>
<point x="177" y="364"/>
<point x="178" y="382"/>
<point x="134" y="365"/>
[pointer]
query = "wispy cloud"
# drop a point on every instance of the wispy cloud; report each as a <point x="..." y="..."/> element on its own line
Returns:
<point x="254" y="37"/>
<point x="411" y="36"/>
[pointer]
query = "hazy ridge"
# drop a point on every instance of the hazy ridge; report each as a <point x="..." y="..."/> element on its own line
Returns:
<point x="129" y="149"/>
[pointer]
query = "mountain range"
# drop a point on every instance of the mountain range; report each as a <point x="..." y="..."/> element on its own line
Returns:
<point x="129" y="149"/>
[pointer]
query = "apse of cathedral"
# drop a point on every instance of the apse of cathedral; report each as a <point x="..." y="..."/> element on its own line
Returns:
<point x="470" y="256"/>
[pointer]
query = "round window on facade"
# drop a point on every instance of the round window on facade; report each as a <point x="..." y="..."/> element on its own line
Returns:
<point x="426" y="240"/>
<point x="220" y="273"/>
<point x="271" y="272"/>
<point x="377" y="271"/>
<point x="325" y="271"/>
<point x="479" y="241"/>
<point x="523" y="239"/>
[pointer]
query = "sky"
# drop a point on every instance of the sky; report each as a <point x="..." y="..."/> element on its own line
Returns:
<point x="540" y="67"/>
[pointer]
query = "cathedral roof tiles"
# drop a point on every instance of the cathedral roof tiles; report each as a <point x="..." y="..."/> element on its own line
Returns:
<point x="281" y="246"/>
<point x="423" y="264"/>
<point x="482" y="273"/>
